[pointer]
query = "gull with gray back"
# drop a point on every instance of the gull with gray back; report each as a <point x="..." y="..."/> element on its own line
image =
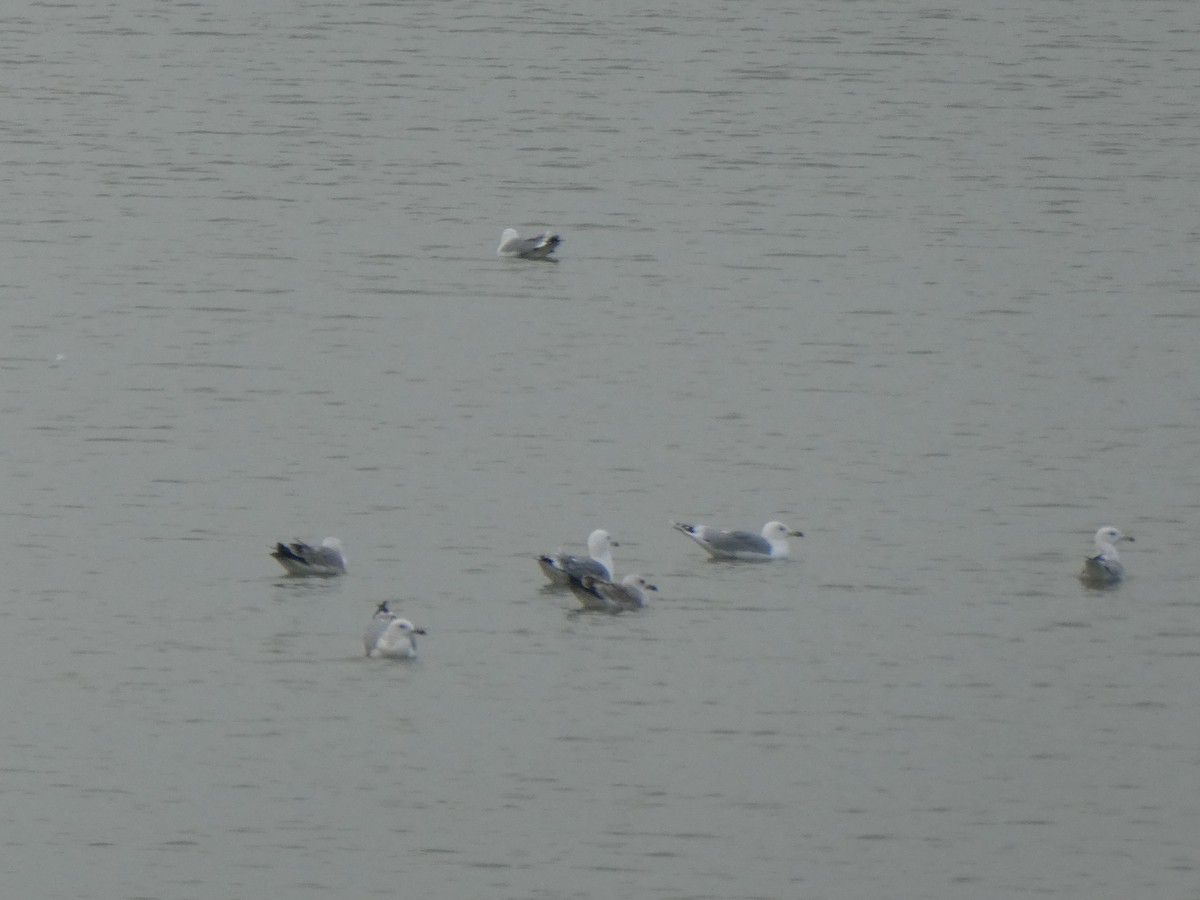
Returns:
<point x="1104" y="569"/>
<point x="611" y="596"/>
<point x="560" y="567"/>
<point x="540" y="247"/>
<point x="771" y="543"/>
<point x="301" y="559"/>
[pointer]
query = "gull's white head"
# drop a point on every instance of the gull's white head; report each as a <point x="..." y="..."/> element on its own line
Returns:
<point x="599" y="542"/>
<point x="775" y="531"/>
<point x="1107" y="537"/>
<point x="641" y="582"/>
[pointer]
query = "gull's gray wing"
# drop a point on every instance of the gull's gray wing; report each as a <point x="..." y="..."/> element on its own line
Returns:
<point x="1101" y="571"/>
<point x="539" y="247"/>
<point x="579" y="566"/>
<point x="733" y="543"/>
<point x="587" y="591"/>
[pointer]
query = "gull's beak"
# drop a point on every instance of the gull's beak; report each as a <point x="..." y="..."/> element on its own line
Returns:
<point x="795" y="534"/>
<point x="1126" y="537"/>
<point x="651" y="587"/>
<point x="419" y="631"/>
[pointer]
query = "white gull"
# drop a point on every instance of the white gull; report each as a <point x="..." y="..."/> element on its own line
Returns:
<point x="390" y="636"/>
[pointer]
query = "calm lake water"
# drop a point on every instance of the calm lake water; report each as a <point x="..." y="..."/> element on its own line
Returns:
<point x="919" y="280"/>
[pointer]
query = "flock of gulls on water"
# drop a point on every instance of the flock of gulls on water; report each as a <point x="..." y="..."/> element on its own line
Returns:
<point x="590" y="578"/>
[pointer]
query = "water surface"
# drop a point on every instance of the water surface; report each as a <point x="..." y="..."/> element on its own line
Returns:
<point x="919" y="281"/>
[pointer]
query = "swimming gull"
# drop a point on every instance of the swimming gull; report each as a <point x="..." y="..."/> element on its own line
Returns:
<point x="379" y="623"/>
<point x="611" y="596"/>
<point x="559" y="567"/>
<point x="1104" y="569"/>
<point x="540" y="247"/>
<point x="390" y="636"/>
<point x="721" y="544"/>
<point x="301" y="559"/>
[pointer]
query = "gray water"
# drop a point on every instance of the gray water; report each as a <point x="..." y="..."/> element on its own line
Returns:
<point x="918" y="280"/>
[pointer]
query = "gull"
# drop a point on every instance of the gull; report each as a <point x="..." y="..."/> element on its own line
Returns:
<point x="540" y="247"/>
<point x="1104" y="569"/>
<point x="390" y="636"/>
<point x="560" y="567"/>
<point x="379" y="624"/>
<point x="610" y="596"/>
<point x="721" y="544"/>
<point x="301" y="559"/>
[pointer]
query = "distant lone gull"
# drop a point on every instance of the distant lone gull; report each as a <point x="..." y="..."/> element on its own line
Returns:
<point x="389" y="636"/>
<point x="540" y="247"/>
<point x="721" y="544"/>
<point x="560" y="567"/>
<point x="1104" y="569"/>
<point x="610" y="596"/>
<point x="301" y="559"/>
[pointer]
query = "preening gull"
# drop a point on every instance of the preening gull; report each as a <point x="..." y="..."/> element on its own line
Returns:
<point x="721" y="544"/>
<point x="1104" y="569"/>
<point x="301" y="559"/>
<point x="390" y="636"/>
<point x="540" y="247"/>
<point x="560" y="567"/>
<point x="609" y="596"/>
